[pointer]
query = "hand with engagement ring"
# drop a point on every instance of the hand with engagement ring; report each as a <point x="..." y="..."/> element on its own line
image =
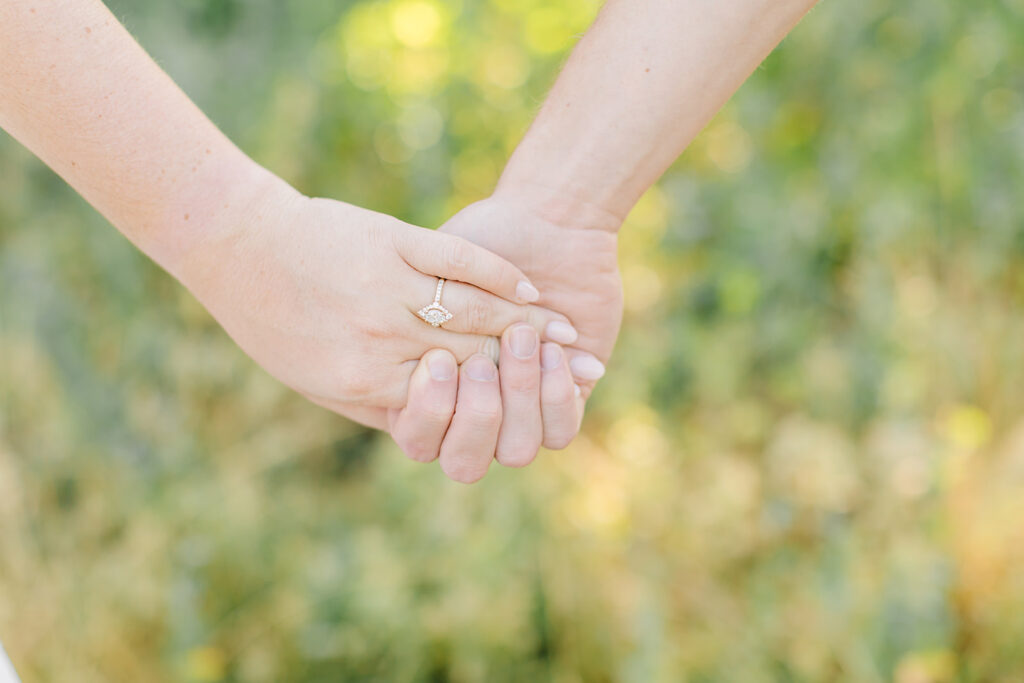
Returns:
<point x="536" y="395"/>
<point x="324" y="295"/>
<point x="601" y="139"/>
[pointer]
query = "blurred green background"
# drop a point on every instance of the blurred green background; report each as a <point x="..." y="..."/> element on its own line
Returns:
<point x="806" y="464"/>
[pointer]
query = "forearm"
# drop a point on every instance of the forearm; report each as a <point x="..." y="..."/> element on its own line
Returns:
<point x="80" y="93"/>
<point x="643" y="81"/>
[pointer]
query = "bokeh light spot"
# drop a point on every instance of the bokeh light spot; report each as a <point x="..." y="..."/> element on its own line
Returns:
<point x="968" y="427"/>
<point x="416" y="23"/>
<point x="729" y="147"/>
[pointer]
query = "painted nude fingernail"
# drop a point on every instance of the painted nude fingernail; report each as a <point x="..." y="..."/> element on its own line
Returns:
<point x="441" y="366"/>
<point x="550" y="356"/>
<point x="587" y="367"/>
<point x="527" y="292"/>
<point x="523" y="341"/>
<point x="481" y="369"/>
<point x="563" y="333"/>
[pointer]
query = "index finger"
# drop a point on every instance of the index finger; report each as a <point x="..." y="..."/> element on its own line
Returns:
<point x="456" y="258"/>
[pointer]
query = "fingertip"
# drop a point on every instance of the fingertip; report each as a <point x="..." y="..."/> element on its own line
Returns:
<point x="561" y="332"/>
<point x="526" y="292"/>
<point x="559" y="400"/>
<point x="420" y="426"/>
<point x="550" y="356"/>
<point x="586" y="366"/>
<point x="522" y="340"/>
<point x="480" y="368"/>
<point x="441" y="365"/>
<point x="517" y="455"/>
<point x="463" y="473"/>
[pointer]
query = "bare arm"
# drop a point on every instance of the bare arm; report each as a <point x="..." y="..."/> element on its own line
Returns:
<point x="643" y="81"/>
<point x="80" y="93"/>
<point x="321" y="293"/>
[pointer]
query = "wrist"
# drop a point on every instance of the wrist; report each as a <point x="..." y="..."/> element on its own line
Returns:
<point x="560" y="203"/>
<point x="209" y="219"/>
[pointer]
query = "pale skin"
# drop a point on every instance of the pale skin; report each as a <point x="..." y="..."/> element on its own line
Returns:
<point x="621" y="111"/>
<point x="321" y="293"/>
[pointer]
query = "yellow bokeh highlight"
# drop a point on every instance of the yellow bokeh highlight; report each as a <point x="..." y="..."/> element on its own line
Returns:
<point x="418" y="71"/>
<point x="600" y="505"/>
<point x="642" y="287"/>
<point x="416" y="23"/>
<point x="366" y="26"/>
<point x="547" y="29"/>
<point x="475" y="172"/>
<point x="636" y="438"/>
<point x="645" y="225"/>
<point x="400" y="45"/>
<point x="729" y="147"/>
<point x="505" y="66"/>
<point x="967" y="427"/>
<point x="364" y="43"/>
<point x="205" y="664"/>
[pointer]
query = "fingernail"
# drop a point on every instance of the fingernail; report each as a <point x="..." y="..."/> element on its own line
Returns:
<point x="579" y="392"/>
<point x="587" y="367"/>
<point x="481" y="369"/>
<point x="441" y="366"/>
<point x="550" y="356"/>
<point x="560" y="332"/>
<point x="523" y="341"/>
<point x="527" y="292"/>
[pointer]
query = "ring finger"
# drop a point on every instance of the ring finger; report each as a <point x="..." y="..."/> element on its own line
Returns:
<point x="467" y="309"/>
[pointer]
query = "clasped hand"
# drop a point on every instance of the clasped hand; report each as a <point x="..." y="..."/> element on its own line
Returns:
<point x="324" y="296"/>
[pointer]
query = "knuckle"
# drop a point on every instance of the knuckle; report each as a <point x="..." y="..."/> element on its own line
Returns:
<point x="478" y="314"/>
<point x="482" y="416"/>
<point x="367" y="382"/>
<point x="354" y="386"/>
<point x="490" y="347"/>
<point x="559" y="397"/>
<point x="539" y="317"/>
<point x="435" y="413"/>
<point x="458" y="255"/>
<point x="520" y="382"/>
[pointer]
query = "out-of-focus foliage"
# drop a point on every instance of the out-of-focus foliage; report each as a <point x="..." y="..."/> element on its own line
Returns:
<point x="806" y="464"/>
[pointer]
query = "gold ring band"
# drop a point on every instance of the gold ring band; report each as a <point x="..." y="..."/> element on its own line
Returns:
<point x="435" y="313"/>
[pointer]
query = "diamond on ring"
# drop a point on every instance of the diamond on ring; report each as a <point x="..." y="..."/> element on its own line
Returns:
<point x="435" y="313"/>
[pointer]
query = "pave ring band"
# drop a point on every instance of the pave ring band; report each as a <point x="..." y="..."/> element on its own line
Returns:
<point x="435" y="313"/>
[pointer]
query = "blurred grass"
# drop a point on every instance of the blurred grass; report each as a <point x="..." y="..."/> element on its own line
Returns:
<point x="805" y="465"/>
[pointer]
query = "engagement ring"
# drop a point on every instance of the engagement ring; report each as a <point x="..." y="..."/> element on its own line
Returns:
<point x="435" y="313"/>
